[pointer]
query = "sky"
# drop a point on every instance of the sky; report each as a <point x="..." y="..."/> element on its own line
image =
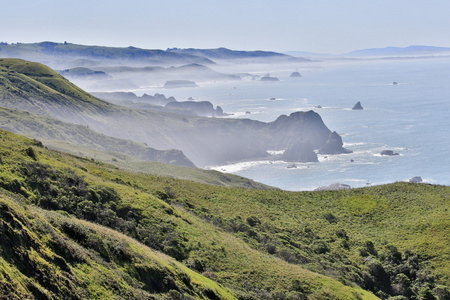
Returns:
<point x="320" y="26"/>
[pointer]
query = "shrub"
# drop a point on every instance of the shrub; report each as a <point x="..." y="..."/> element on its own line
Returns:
<point x="30" y="152"/>
<point x="330" y="218"/>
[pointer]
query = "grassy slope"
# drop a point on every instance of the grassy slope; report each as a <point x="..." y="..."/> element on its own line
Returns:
<point x="38" y="89"/>
<point x="82" y="141"/>
<point x="47" y="254"/>
<point x="226" y="258"/>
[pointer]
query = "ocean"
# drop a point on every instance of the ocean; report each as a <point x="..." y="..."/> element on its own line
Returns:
<point x="411" y="118"/>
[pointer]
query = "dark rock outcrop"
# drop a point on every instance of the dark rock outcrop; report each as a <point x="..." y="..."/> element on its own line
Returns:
<point x="357" y="106"/>
<point x="388" y="153"/>
<point x="300" y="151"/>
<point x="295" y="74"/>
<point x="334" y="145"/>
<point x="307" y="125"/>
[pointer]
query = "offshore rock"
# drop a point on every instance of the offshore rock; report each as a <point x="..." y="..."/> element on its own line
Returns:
<point x="267" y="77"/>
<point x="357" y="106"/>
<point x="388" y="153"/>
<point x="295" y="74"/>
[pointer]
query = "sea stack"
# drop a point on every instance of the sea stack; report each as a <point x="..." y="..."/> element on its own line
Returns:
<point x="357" y="106"/>
<point x="334" y="145"/>
<point x="267" y="77"/>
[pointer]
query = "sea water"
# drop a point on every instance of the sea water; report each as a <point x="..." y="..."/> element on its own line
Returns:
<point x="411" y="118"/>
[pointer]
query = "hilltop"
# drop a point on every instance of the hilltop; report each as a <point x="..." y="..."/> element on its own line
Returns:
<point x="67" y="225"/>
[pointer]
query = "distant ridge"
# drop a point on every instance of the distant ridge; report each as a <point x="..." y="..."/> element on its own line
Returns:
<point x="415" y="50"/>
<point x="65" y="53"/>
<point x="224" y="53"/>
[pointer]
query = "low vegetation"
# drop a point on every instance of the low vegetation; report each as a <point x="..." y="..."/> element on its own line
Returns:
<point x="385" y="241"/>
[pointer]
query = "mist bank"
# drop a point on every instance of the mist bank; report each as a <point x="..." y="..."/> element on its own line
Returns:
<point x="69" y="55"/>
<point x="119" y="78"/>
<point x="74" y="136"/>
<point x="105" y="69"/>
<point x="39" y="90"/>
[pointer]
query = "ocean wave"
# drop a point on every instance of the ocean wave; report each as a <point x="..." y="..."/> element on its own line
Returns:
<point x="241" y="166"/>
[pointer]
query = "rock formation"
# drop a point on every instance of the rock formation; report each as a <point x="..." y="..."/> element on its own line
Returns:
<point x="295" y="74"/>
<point x="388" y="153"/>
<point x="201" y="108"/>
<point x="357" y="106"/>
<point x="333" y="145"/>
<point x="267" y="77"/>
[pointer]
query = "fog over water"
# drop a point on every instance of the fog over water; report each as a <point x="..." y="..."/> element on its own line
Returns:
<point x="410" y="118"/>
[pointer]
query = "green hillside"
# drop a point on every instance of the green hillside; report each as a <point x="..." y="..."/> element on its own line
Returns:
<point x="387" y="240"/>
<point x="125" y="154"/>
<point x="46" y="91"/>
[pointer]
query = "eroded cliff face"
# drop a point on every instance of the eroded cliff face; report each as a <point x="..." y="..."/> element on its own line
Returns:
<point x="306" y="126"/>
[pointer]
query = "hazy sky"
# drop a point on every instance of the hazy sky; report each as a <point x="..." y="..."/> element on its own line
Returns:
<point x="326" y="26"/>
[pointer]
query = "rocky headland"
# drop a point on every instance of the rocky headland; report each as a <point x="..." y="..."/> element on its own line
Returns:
<point x="200" y="108"/>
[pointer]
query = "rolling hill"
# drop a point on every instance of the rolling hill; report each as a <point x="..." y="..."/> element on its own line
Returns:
<point x="67" y="225"/>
